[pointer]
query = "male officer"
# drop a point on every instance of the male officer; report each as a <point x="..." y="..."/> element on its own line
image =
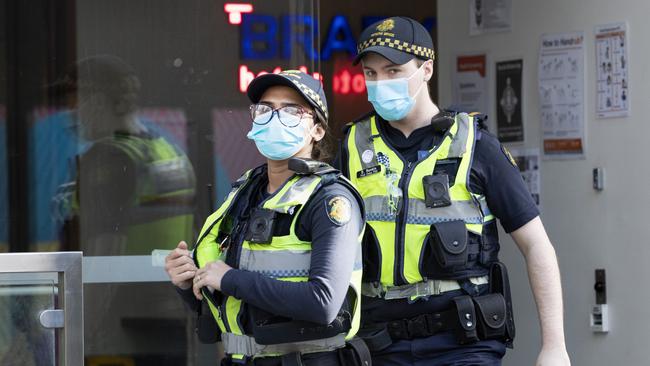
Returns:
<point x="433" y="184"/>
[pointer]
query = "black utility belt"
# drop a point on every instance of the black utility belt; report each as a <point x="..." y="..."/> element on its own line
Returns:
<point x="355" y="353"/>
<point x="471" y="319"/>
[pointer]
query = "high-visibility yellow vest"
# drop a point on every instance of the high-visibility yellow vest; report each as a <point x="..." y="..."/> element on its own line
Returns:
<point x="161" y="212"/>
<point x="286" y="258"/>
<point x="399" y="254"/>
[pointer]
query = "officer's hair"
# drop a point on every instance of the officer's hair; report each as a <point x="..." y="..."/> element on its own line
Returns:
<point x="322" y="150"/>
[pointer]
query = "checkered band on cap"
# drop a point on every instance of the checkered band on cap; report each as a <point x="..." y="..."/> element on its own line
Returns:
<point x="312" y="95"/>
<point x="419" y="51"/>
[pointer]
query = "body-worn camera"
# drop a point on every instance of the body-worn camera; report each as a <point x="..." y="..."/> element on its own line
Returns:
<point x="436" y="190"/>
<point x="260" y="226"/>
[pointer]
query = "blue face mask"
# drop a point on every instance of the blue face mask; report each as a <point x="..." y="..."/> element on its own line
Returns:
<point x="391" y="98"/>
<point x="275" y="140"/>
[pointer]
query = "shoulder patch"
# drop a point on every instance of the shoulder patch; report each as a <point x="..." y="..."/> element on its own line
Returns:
<point x="508" y="155"/>
<point x="339" y="210"/>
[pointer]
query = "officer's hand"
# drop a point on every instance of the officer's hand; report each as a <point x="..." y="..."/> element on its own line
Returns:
<point x="180" y="266"/>
<point x="553" y="357"/>
<point x="211" y="276"/>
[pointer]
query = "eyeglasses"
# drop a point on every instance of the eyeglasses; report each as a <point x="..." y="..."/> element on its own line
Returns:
<point x="262" y="114"/>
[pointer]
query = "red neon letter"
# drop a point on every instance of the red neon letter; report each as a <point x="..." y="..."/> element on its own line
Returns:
<point x="336" y="84"/>
<point x="345" y="82"/>
<point x="245" y="78"/>
<point x="235" y="11"/>
<point x="358" y="84"/>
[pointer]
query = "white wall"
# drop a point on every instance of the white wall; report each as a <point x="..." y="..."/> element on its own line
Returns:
<point x="590" y="230"/>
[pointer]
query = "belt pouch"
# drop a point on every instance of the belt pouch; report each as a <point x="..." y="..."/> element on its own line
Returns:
<point x="500" y="284"/>
<point x="491" y="316"/>
<point x="466" y="327"/>
<point x="448" y="242"/>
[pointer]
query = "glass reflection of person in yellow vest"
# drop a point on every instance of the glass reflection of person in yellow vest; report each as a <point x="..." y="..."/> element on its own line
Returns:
<point x="134" y="192"/>
<point x="134" y="188"/>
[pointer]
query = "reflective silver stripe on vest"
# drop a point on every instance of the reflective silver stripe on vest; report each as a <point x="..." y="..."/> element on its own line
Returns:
<point x="363" y="142"/>
<point x="420" y="214"/>
<point x="245" y="345"/>
<point x="276" y="263"/>
<point x="424" y="288"/>
<point x="377" y="210"/>
<point x="295" y="192"/>
<point x="459" y="142"/>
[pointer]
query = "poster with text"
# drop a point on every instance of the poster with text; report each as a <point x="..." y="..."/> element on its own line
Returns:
<point x="489" y="16"/>
<point x="529" y="165"/>
<point x="612" y="81"/>
<point x="561" y="94"/>
<point x="510" y="125"/>
<point x="470" y="84"/>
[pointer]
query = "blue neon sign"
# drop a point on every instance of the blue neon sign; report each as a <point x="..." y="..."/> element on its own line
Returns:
<point x="264" y="37"/>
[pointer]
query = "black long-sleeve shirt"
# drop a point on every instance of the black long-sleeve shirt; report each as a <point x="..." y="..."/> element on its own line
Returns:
<point x="334" y="247"/>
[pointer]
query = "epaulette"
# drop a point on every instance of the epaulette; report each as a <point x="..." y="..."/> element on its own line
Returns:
<point x="479" y="118"/>
<point x="443" y="120"/>
<point x="302" y="166"/>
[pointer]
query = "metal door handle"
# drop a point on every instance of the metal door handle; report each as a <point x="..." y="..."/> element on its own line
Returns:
<point x="52" y="318"/>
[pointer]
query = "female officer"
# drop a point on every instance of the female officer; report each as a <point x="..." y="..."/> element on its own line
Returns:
<point x="279" y="262"/>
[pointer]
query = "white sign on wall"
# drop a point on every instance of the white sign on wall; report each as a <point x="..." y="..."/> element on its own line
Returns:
<point x="489" y="16"/>
<point x="470" y="91"/>
<point x="612" y="79"/>
<point x="561" y="94"/>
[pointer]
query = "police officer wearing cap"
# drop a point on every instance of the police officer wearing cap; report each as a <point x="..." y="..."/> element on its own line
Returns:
<point x="279" y="263"/>
<point x="434" y="183"/>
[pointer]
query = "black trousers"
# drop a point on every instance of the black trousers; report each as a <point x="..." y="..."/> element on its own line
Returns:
<point x="333" y="358"/>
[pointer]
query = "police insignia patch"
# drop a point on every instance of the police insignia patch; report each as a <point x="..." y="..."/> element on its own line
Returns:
<point x="508" y="155"/>
<point x="386" y="25"/>
<point x="339" y="210"/>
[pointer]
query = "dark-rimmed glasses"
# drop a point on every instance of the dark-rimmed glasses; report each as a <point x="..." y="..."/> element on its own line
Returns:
<point x="262" y="114"/>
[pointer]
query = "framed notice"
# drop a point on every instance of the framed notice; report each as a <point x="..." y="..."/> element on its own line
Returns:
<point x="561" y="94"/>
<point x="470" y="83"/>
<point x="612" y="78"/>
<point x="510" y="125"/>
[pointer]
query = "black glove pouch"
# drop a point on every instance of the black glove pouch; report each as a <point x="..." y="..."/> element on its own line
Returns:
<point x="206" y="327"/>
<point x="500" y="284"/>
<point x="466" y="329"/>
<point x="448" y="242"/>
<point x="491" y="316"/>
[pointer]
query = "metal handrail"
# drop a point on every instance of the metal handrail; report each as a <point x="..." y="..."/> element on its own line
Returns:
<point x="68" y="265"/>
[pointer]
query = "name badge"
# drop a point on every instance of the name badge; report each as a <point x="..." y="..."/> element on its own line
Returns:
<point x="369" y="171"/>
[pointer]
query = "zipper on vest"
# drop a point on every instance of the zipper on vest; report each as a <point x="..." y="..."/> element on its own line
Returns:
<point x="400" y="233"/>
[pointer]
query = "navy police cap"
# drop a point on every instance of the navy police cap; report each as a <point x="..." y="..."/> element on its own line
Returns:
<point x="399" y="39"/>
<point x="310" y="88"/>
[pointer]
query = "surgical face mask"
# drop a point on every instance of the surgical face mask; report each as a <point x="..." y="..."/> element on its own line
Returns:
<point x="274" y="139"/>
<point x="391" y="98"/>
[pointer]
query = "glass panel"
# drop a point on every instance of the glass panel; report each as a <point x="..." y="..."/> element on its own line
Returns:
<point x="130" y="109"/>
<point x="4" y="167"/>
<point x="23" y="341"/>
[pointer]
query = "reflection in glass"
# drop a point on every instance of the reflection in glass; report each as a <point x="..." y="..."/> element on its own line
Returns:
<point x="134" y="187"/>
<point x="23" y="341"/>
